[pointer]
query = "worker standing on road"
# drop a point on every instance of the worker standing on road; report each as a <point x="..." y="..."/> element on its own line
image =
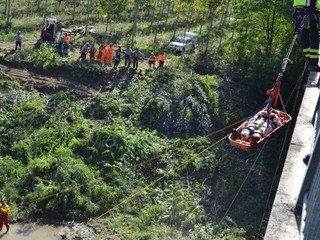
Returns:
<point x="117" y="58"/>
<point x="136" y="54"/>
<point x="83" y="52"/>
<point x="152" y="60"/>
<point x="92" y="52"/>
<point x="110" y="54"/>
<point x="4" y="214"/>
<point x="18" y="39"/>
<point x="127" y="56"/>
<point x="306" y="21"/>
<point x="161" y="59"/>
<point x="102" y="53"/>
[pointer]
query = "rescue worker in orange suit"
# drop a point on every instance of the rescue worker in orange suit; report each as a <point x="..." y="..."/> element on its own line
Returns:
<point x="92" y="52"/>
<point x="66" y="39"/>
<point x="4" y="214"/>
<point x="161" y="59"/>
<point x="102" y="53"/>
<point x="152" y="60"/>
<point x="110" y="54"/>
<point x="306" y="21"/>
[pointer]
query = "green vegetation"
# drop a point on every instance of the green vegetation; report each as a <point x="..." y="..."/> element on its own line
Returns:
<point x="141" y="162"/>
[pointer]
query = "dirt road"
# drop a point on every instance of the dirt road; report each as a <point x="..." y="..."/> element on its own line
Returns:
<point x="52" y="81"/>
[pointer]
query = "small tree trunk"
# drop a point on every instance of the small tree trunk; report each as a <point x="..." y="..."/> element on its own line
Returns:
<point x="167" y="15"/>
<point x="74" y="9"/>
<point x="175" y="27"/>
<point x="209" y="32"/>
<point x="155" y="40"/>
<point x="134" y="28"/>
<point x="223" y="23"/>
<point x="108" y="26"/>
<point x="8" y="4"/>
<point x="38" y="2"/>
<point x="88" y="15"/>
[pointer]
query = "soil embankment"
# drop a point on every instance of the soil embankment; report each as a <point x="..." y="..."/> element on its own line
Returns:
<point x="51" y="81"/>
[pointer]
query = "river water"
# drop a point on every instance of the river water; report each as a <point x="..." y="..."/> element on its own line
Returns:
<point x="30" y="231"/>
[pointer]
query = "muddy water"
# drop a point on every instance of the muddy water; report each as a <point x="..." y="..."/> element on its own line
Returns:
<point x="29" y="231"/>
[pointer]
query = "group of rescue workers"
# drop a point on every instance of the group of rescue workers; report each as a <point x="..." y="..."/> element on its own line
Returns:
<point x="108" y="55"/>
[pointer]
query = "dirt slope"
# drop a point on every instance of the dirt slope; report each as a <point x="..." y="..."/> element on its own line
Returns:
<point x="54" y="80"/>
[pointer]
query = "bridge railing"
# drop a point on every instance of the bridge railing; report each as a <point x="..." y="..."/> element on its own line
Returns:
<point x="308" y="203"/>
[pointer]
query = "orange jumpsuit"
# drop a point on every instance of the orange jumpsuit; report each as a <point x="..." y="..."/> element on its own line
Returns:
<point x="103" y="54"/>
<point x="161" y="59"/>
<point x="67" y="39"/>
<point x="4" y="210"/>
<point x="110" y="54"/>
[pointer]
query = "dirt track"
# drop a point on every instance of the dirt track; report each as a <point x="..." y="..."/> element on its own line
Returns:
<point x="52" y="81"/>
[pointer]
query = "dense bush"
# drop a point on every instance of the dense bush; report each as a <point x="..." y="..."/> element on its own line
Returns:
<point x="46" y="57"/>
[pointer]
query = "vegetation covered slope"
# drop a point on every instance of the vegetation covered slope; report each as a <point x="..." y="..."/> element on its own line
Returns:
<point x="144" y="161"/>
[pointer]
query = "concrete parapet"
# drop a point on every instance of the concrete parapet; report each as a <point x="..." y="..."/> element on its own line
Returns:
<point x="283" y="224"/>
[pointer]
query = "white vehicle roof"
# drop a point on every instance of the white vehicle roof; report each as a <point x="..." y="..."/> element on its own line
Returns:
<point x="54" y="20"/>
<point x="182" y="39"/>
<point x="66" y="30"/>
<point x="191" y="34"/>
<point x="177" y="44"/>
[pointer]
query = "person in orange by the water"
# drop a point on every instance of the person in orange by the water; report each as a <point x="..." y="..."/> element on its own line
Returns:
<point x="4" y="214"/>
<point x="110" y="54"/>
<point x="161" y="59"/>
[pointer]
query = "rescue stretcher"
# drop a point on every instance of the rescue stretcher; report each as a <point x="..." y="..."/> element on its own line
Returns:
<point x="249" y="143"/>
<point x="237" y="141"/>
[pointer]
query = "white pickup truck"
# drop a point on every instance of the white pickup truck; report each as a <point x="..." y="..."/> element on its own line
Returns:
<point x="181" y="44"/>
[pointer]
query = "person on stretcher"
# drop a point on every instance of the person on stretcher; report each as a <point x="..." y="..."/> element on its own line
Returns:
<point x="259" y="126"/>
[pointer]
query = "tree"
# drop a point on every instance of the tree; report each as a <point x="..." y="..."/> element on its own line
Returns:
<point x="211" y="5"/>
<point x="112" y="9"/>
<point x="135" y="21"/>
<point x="260" y="33"/>
<point x="89" y="10"/>
<point x="8" y="5"/>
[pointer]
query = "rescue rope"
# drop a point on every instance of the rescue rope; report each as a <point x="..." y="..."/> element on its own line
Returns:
<point x="127" y="169"/>
<point x="243" y="182"/>
<point x="172" y="170"/>
<point x="275" y="91"/>
<point x="298" y="86"/>
<point x="298" y="82"/>
<point x="286" y="59"/>
<point x="274" y="178"/>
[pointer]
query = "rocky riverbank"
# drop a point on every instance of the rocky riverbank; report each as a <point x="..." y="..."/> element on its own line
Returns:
<point x="37" y="231"/>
